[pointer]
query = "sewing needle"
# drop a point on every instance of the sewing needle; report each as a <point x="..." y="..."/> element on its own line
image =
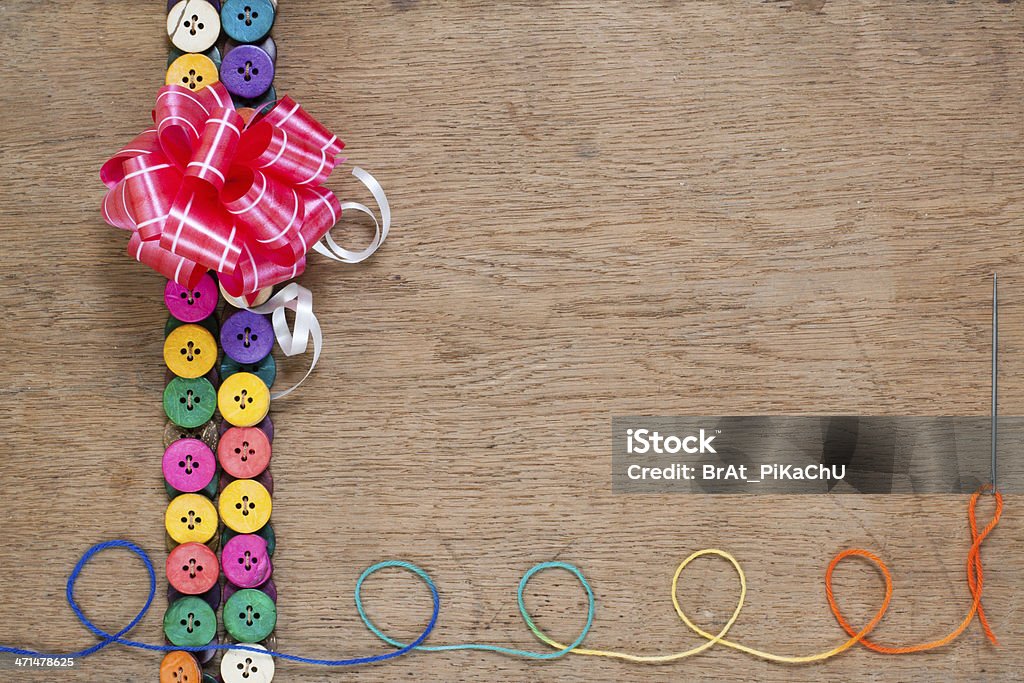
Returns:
<point x="995" y="372"/>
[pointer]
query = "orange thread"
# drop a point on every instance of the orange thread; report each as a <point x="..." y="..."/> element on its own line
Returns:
<point x="974" y="583"/>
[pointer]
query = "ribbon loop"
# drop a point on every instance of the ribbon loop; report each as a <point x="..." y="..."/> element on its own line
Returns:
<point x="333" y="250"/>
<point x="294" y="341"/>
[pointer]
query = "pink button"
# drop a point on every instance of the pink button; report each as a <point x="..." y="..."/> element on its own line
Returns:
<point x="189" y="465"/>
<point x="191" y="305"/>
<point x="245" y="561"/>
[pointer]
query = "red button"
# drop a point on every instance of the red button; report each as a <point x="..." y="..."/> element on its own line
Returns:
<point x="244" y="452"/>
<point x="192" y="568"/>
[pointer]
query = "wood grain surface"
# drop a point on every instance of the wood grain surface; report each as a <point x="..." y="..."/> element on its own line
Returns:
<point x="601" y="208"/>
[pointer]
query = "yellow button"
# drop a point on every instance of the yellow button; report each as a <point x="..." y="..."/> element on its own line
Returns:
<point x="190" y="351"/>
<point x="245" y="506"/>
<point x="191" y="517"/>
<point x="243" y="399"/>
<point x="192" y="71"/>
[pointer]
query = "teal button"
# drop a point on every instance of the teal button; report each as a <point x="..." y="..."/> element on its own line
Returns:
<point x="247" y="21"/>
<point x="265" y="369"/>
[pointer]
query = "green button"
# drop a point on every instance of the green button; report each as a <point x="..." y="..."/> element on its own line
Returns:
<point x="266" y="532"/>
<point x="249" y="615"/>
<point x="265" y="369"/>
<point x="210" y="323"/>
<point x="190" y="622"/>
<point x="189" y="402"/>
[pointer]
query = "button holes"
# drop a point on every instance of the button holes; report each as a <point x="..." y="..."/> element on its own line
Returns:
<point x="192" y="86"/>
<point x="255" y="615"/>
<point x="199" y="79"/>
<point x="249" y="400"/>
<point x="252" y="506"/>
<point x="184" y="295"/>
<point x="238" y="506"/>
<point x="184" y="79"/>
<point x="184" y="519"/>
<point x="241" y="70"/>
<point x="191" y="72"/>
<point x="241" y="560"/>
<point x="237" y="451"/>
<point x="197" y="294"/>
<point x="200" y="26"/>
<point x="241" y="615"/>
<point x="185" y="568"/>
<point x="181" y="463"/>
<point x="199" y="520"/>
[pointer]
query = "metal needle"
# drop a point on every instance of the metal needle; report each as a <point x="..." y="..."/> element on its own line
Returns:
<point x="995" y="372"/>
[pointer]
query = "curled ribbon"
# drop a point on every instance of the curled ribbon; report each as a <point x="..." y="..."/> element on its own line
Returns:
<point x="204" y="191"/>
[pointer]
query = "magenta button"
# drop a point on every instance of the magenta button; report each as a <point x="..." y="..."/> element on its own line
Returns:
<point x="245" y="561"/>
<point x="189" y="465"/>
<point x="191" y="305"/>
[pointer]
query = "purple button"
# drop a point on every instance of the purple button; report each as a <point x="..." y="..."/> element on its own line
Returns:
<point x="212" y="596"/>
<point x="268" y="45"/>
<point x="245" y="561"/>
<point x="189" y="465"/>
<point x="191" y="305"/>
<point x="267" y="587"/>
<point x="247" y="71"/>
<point x="247" y="337"/>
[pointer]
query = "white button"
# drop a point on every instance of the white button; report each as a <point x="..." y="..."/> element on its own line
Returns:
<point x="239" y="302"/>
<point x="240" y="666"/>
<point x="193" y="25"/>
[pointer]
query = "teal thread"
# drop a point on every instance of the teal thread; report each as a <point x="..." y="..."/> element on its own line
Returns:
<point x="483" y="647"/>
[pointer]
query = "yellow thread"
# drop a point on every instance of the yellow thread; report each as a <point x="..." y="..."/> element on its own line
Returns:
<point x="719" y="638"/>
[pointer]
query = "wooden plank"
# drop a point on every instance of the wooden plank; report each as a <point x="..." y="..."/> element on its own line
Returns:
<point x="601" y="208"/>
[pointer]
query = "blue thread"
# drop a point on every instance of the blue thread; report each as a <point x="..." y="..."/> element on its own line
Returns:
<point x="402" y="649"/>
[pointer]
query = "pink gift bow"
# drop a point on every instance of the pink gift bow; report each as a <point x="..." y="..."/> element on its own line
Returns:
<point x="201" y="191"/>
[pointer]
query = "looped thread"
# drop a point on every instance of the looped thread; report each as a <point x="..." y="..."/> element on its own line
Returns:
<point x="974" y="580"/>
<point x="974" y="583"/>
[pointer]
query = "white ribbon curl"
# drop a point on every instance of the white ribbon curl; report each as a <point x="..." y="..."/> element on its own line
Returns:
<point x="295" y="297"/>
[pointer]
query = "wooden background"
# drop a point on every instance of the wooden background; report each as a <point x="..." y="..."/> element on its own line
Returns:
<point x="601" y="208"/>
